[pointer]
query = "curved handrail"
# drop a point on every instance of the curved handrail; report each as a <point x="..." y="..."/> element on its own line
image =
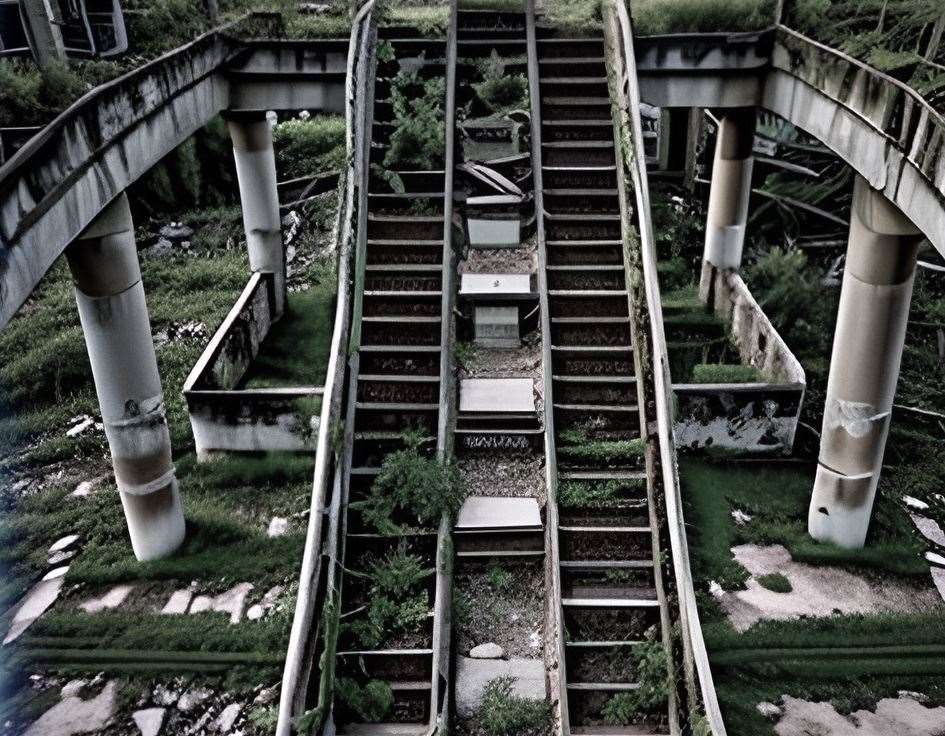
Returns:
<point x="696" y="661"/>
<point x="293" y="688"/>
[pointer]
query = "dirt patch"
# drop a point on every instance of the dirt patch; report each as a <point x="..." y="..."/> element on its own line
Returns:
<point x="501" y="260"/>
<point x="901" y="716"/>
<point x="817" y="590"/>
<point x="502" y="603"/>
<point x="505" y="474"/>
<point x="509" y="363"/>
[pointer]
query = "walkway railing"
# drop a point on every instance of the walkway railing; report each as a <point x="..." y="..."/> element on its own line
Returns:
<point x="302" y="639"/>
<point x="699" y="709"/>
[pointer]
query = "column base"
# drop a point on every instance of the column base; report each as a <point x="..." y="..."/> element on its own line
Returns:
<point x="840" y="508"/>
<point x="155" y="522"/>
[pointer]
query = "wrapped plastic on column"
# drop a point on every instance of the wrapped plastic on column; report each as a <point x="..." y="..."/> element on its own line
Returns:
<point x="114" y="315"/>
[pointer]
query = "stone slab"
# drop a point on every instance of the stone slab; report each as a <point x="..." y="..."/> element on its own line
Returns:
<point x="488" y="512"/>
<point x="37" y="601"/>
<point x="497" y="327"/>
<point x="496" y="395"/>
<point x="149" y="721"/>
<point x="178" y="602"/>
<point x="472" y="676"/>
<point x="497" y="284"/>
<point x="74" y="716"/>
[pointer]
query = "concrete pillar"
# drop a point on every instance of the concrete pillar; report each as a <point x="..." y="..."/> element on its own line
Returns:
<point x="256" y="172"/>
<point x="730" y="189"/>
<point x="110" y="297"/>
<point x="864" y="367"/>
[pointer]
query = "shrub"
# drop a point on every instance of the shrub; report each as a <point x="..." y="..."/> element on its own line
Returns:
<point x="776" y="583"/>
<point x="371" y="703"/>
<point x="653" y="17"/>
<point x="411" y="482"/>
<point x="419" y="137"/>
<point x="574" y="15"/>
<point x="652" y="670"/>
<point x="575" y="446"/>
<point x="386" y="618"/>
<point x="725" y="373"/>
<point x="498" y="91"/>
<point x="309" y="146"/>
<point x="575" y="494"/>
<point x="399" y="572"/>
<point x="499" y="578"/>
<point x="501" y="713"/>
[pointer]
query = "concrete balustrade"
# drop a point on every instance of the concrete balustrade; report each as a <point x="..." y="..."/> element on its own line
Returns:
<point x="864" y="367"/>
<point x="114" y="316"/>
<point x="256" y="172"/>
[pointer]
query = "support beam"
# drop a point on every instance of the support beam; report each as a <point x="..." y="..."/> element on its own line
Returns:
<point x="256" y="172"/>
<point x="731" y="187"/>
<point x="864" y="367"/>
<point x="114" y="316"/>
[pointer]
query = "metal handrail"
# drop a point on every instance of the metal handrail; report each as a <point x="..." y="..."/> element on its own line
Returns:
<point x="696" y="658"/>
<point x="294" y="685"/>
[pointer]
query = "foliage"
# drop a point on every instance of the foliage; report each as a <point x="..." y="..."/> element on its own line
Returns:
<point x="775" y="582"/>
<point x="371" y="702"/>
<point x="577" y="494"/>
<point x="419" y="137"/>
<point x="653" y="17"/>
<point x="499" y="578"/>
<point x="414" y="484"/>
<point x="652" y="668"/>
<point x="306" y="146"/>
<point x="574" y="15"/>
<point x="465" y="354"/>
<point x="502" y="713"/>
<point x="399" y="572"/>
<point x="29" y="96"/>
<point x="498" y="91"/>
<point x="725" y="373"/>
<point x="575" y="446"/>
<point x="386" y="618"/>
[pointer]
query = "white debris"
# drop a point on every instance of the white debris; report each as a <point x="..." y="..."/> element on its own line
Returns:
<point x="73" y="715"/>
<point x="278" y="526"/>
<point x="149" y="721"/>
<point x="741" y="518"/>
<point x="914" y="503"/>
<point x="177" y="603"/>
<point x="226" y="720"/>
<point x="201" y="604"/>
<point x="35" y="603"/>
<point x="79" y="425"/>
<point x="165" y="696"/>
<point x="899" y="716"/>
<point x="71" y="689"/>
<point x="935" y="558"/>
<point x="534" y="640"/>
<point x="231" y="601"/>
<point x="63" y="543"/>
<point x="192" y="698"/>
<point x="715" y="590"/>
<point x="60" y="557"/>
<point x="769" y="710"/>
<point x="112" y="599"/>
<point x="929" y="529"/>
<point x="255" y="612"/>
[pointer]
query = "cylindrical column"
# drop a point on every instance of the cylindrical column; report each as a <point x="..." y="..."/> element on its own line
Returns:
<point x="114" y="316"/>
<point x="730" y="189"/>
<point x="864" y="367"/>
<point x="256" y="172"/>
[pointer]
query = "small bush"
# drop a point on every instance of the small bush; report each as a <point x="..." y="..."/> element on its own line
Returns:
<point x="399" y="572"/>
<point x="776" y="583"/>
<point x="725" y="373"/>
<point x="574" y="15"/>
<point x="386" y="618"/>
<point x="499" y="578"/>
<point x="574" y="446"/>
<point x="575" y="494"/>
<point x="411" y="482"/>
<point x="371" y="703"/>
<point x="498" y="91"/>
<point x="653" y="17"/>
<point x="419" y="137"/>
<point x="652" y="670"/>
<point x="502" y="713"/>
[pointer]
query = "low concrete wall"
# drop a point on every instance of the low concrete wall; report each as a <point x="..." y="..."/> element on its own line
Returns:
<point x="224" y="418"/>
<point x="746" y="417"/>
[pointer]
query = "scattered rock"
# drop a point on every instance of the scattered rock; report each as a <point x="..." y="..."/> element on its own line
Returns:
<point x="233" y="601"/>
<point x="192" y="698"/>
<point x="149" y="721"/>
<point x="929" y="529"/>
<point x="72" y="688"/>
<point x="534" y="640"/>
<point x="112" y="599"/>
<point x="201" y="604"/>
<point x="176" y="232"/>
<point x="715" y="590"/>
<point x="177" y="603"/>
<point x="255" y="612"/>
<point x="80" y="424"/>
<point x="165" y="696"/>
<point x="278" y="526"/>
<point x="226" y="720"/>
<point x="900" y="716"/>
<point x="914" y="503"/>
<point x="35" y="603"/>
<point x="938" y="577"/>
<point x="73" y="715"/>
<point x="61" y="557"/>
<point x="267" y="695"/>
<point x="61" y="544"/>
<point x="487" y="651"/>
<point x="769" y="710"/>
<point x="84" y="489"/>
<point x="935" y="558"/>
<point x="917" y="697"/>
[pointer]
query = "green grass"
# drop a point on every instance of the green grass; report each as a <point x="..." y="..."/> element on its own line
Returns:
<point x="654" y="17"/>
<point x="776" y="495"/>
<point x="311" y="146"/>
<point x="725" y="373"/>
<point x="776" y="583"/>
<point x="296" y="350"/>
